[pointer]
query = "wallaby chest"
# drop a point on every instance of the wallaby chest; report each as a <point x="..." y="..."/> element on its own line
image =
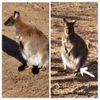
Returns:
<point x="67" y="45"/>
<point x="18" y="36"/>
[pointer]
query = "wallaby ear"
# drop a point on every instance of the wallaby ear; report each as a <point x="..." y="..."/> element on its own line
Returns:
<point x="74" y="21"/>
<point x="16" y="15"/>
<point x="64" y="19"/>
<point x="70" y="22"/>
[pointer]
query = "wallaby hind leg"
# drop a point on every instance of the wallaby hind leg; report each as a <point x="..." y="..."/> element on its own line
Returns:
<point x="44" y="62"/>
<point x="80" y="64"/>
<point x="26" y="60"/>
<point x="29" y="65"/>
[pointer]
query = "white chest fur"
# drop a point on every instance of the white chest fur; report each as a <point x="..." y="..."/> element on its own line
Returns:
<point x="69" y="61"/>
<point x="18" y="37"/>
<point x="32" y="59"/>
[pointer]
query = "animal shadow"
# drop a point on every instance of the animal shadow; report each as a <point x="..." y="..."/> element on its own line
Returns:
<point x="11" y="48"/>
<point x="92" y="68"/>
<point x="22" y="68"/>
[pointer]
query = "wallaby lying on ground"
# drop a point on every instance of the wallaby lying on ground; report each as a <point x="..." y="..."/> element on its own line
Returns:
<point x="74" y="50"/>
<point x="33" y="44"/>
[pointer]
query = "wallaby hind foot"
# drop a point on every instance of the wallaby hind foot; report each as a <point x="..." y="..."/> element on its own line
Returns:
<point x="43" y="69"/>
<point x="35" y="70"/>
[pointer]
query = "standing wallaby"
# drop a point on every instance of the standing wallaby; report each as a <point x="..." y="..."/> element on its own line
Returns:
<point x="33" y="44"/>
<point x="74" y="50"/>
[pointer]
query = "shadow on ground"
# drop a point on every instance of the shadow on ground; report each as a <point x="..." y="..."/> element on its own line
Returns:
<point x="92" y="68"/>
<point x="11" y="48"/>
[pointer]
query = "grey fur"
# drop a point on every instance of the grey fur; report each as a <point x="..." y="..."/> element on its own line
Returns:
<point x="74" y="50"/>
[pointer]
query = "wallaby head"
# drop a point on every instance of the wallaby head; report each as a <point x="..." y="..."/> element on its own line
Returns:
<point x="69" y="25"/>
<point x="12" y="19"/>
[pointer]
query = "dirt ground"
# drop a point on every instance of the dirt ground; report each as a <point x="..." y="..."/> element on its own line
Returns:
<point x="64" y="84"/>
<point x="23" y="84"/>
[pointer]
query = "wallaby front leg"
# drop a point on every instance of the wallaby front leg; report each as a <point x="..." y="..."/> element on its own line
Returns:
<point x="64" y="61"/>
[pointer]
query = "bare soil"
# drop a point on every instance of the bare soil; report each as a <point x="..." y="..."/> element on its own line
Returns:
<point x="25" y="83"/>
<point x="68" y="84"/>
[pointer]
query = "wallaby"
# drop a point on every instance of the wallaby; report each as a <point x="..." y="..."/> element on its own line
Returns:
<point x="74" y="50"/>
<point x="33" y="44"/>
